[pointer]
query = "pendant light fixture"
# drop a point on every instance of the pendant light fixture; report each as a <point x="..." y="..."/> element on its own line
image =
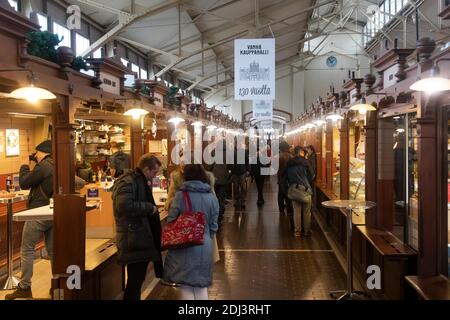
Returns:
<point x="31" y="93"/>
<point x="197" y="124"/>
<point x="363" y="107"/>
<point x="319" y="122"/>
<point x="176" y="120"/>
<point x="434" y="83"/>
<point x="334" y="116"/>
<point x="136" y="111"/>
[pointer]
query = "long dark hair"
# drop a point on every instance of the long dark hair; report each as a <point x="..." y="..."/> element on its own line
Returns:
<point x="195" y="172"/>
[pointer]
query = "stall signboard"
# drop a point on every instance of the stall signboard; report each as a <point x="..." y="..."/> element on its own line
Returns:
<point x="93" y="193"/>
<point x="110" y="83"/>
<point x="12" y="142"/>
<point x="262" y="109"/>
<point x="254" y="65"/>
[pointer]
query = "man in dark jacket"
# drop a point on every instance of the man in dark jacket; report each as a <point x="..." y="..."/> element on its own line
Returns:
<point x="239" y="170"/>
<point x="283" y="200"/>
<point x="40" y="181"/>
<point x="300" y="176"/>
<point x="119" y="161"/>
<point x="138" y="228"/>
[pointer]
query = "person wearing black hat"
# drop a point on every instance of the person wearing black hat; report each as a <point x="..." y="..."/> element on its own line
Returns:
<point x="40" y="182"/>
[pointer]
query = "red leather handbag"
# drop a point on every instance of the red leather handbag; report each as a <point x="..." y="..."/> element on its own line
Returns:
<point x="187" y="230"/>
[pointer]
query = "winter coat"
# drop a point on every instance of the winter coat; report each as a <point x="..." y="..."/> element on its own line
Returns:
<point x="138" y="227"/>
<point x="39" y="180"/>
<point x="193" y="266"/>
<point x="299" y="171"/>
<point x="176" y="181"/>
<point x="284" y="157"/>
<point x="121" y="162"/>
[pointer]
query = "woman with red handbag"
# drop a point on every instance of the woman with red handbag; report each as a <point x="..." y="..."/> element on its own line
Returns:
<point x="187" y="263"/>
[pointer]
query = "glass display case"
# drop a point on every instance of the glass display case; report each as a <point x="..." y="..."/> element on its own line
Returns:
<point x="336" y="160"/>
<point x="357" y="141"/>
<point x="397" y="175"/>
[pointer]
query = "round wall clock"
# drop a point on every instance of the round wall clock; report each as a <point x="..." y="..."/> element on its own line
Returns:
<point x="331" y="61"/>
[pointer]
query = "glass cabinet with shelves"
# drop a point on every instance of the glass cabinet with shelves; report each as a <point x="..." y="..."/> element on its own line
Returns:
<point x="336" y="160"/>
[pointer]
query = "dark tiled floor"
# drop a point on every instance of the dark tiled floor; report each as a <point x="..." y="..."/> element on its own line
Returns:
<point x="261" y="259"/>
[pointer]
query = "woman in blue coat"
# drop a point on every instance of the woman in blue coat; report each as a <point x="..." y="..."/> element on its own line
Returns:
<point x="192" y="267"/>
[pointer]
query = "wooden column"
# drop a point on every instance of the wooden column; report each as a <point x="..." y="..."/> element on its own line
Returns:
<point x="371" y="166"/>
<point x="344" y="159"/>
<point x="329" y="156"/>
<point x="429" y="178"/>
<point x="69" y="222"/>
<point x="137" y="148"/>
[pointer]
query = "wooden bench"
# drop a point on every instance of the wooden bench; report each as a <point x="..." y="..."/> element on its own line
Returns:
<point x="395" y="259"/>
<point x="430" y="288"/>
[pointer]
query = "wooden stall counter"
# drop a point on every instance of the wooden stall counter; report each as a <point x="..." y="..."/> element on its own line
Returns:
<point x="100" y="221"/>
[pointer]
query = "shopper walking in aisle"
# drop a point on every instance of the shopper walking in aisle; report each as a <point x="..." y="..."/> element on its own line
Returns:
<point x="192" y="267"/>
<point x="257" y="174"/>
<point x="138" y="227"/>
<point x="283" y="201"/>
<point x="119" y="162"/>
<point x="300" y="176"/>
<point x="40" y="182"/>
<point x="239" y="170"/>
<point x="220" y="170"/>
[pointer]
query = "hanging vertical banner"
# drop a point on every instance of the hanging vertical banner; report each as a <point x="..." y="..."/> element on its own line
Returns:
<point x="254" y="69"/>
<point x="262" y="109"/>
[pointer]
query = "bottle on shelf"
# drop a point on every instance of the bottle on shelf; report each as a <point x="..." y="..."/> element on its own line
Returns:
<point x="9" y="184"/>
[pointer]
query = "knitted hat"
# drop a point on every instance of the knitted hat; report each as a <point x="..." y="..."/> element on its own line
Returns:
<point x="45" y="146"/>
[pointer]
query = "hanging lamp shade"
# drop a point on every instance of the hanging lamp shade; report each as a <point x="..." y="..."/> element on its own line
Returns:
<point x="432" y="84"/>
<point x="176" y="120"/>
<point x="363" y="107"/>
<point x="136" y="113"/>
<point x="334" y="117"/>
<point x="319" y="122"/>
<point x="197" y="124"/>
<point x="32" y="94"/>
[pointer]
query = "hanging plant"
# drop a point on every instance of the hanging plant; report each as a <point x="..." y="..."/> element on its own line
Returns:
<point x="145" y="90"/>
<point x="79" y="63"/>
<point x="42" y="44"/>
